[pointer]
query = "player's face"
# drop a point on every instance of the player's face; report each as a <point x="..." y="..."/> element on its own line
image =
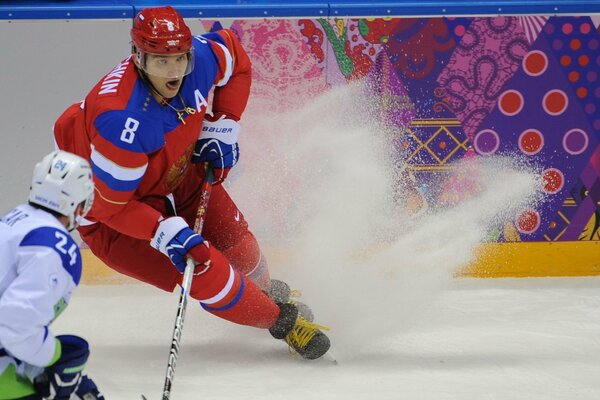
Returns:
<point x="166" y="72"/>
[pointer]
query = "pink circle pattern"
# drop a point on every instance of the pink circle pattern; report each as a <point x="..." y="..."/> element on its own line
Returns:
<point x="575" y="134"/>
<point x="486" y="142"/>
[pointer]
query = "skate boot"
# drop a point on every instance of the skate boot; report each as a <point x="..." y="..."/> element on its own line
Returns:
<point x="280" y="292"/>
<point x="304" y="337"/>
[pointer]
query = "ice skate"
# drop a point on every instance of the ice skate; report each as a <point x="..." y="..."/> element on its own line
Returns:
<point x="303" y="337"/>
<point x="281" y="293"/>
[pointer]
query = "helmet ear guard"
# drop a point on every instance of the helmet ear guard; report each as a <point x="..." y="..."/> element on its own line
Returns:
<point x="62" y="182"/>
<point x="137" y="55"/>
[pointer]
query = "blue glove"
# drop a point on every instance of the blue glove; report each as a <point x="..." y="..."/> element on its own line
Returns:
<point x="218" y="144"/>
<point x="176" y="240"/>
<point x="88" y="390"/>
<point x="60" y="380"/>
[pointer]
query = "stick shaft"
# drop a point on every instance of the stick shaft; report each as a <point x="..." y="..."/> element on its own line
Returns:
<point x="185" y="286"/>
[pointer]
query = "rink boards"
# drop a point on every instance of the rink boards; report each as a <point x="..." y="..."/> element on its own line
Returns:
<point x="492" y="260"/>
<point x="562" y="239"/>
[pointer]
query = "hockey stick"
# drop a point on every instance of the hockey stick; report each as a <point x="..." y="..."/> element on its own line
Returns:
<point x="186" y="284"/>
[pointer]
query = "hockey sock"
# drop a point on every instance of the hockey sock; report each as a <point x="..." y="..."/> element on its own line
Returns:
<point x="230" y="295"/>
<point x="246" y="257"/>
<point x="251" y="306"/>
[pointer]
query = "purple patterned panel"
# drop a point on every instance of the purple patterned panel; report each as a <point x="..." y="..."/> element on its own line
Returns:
<point x="415" y="144"/>
<point x="418" y="49"/>
<point x="538" y="115"/>
<point x="431" y="145"/>
<point x="395" y="104"/>
<point x="532" y="25"/>
<point x="576" y="45"/>
<point x="487" y="56"/>
<point x="442" y="146"/>
<point x="458" y="27"/>
<point x="588" y="207"/>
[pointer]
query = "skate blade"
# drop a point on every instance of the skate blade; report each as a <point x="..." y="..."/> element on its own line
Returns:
<point x="330" y="357"/>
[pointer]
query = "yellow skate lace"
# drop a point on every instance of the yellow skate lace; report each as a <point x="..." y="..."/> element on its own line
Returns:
<point x="295" y="294"/>
<point x="302" y="333"/>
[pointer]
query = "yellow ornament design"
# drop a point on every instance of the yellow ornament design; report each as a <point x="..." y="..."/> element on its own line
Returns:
<point x="178" y="169"/>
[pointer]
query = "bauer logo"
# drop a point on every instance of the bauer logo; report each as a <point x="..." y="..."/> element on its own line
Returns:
<point x="213" y="129"/>
<point x="159" y="240"/>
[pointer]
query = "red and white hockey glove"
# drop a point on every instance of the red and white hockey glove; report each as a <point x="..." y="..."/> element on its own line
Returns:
<point x="218" y="144"/>
<point x="176" y="240"/>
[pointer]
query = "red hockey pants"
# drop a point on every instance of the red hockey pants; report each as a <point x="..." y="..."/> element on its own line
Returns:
<point x="228" y="292"/>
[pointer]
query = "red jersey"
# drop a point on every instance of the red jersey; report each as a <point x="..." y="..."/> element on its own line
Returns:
<point x="138" y="147"/>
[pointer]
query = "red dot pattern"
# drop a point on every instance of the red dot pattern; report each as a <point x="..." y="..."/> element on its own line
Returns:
<point x="510" y="102"/>
<point x="555" y="102"/>
<point x="531" y="141"/>
<point x="528" y="221"/>
<point x="553" y="180"/>
<point x="535" y="63"/>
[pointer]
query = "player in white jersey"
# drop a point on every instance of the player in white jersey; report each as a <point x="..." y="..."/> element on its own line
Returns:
<point x="40" y="266"/>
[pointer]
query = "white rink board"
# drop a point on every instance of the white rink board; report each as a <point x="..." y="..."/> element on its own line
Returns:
<point x="45" y="67"/>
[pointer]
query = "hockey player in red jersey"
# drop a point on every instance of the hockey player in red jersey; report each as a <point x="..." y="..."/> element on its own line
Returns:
<point x="146" y="131"/>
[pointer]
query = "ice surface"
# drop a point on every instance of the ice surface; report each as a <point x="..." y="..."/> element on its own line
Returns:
<point x="481" y="339"/>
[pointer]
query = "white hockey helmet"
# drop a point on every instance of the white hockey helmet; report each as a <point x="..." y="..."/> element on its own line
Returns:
<point x="61" y="182"/>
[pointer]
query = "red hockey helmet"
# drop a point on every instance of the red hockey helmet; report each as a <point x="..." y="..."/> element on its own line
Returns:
<point x="161" y="30"/>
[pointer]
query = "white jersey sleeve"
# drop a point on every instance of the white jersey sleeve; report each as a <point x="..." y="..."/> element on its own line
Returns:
<point x="46" y="267"/>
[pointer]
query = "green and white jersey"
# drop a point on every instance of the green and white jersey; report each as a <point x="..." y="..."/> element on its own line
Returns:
<point x="40" y="266"/>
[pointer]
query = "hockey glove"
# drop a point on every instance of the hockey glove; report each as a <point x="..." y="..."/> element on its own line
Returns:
<point x="218" y="144"/>
<point x="60" y="380"/>
<point x="88" y="390"/>
<point x="176" y="240"/>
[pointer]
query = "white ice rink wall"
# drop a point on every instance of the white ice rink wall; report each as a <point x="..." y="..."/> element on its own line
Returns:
<point x="52" y="52"/>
